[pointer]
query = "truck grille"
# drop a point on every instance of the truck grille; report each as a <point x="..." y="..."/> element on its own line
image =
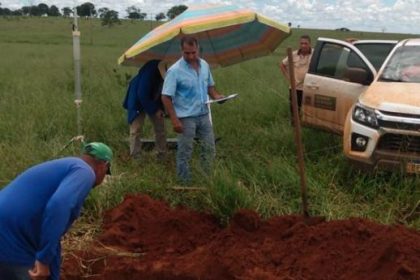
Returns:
<point x="404" y="115"/>
<point x="399" y="125"/>
<point x="401" y="143"/>
<point x="392" y="121"/>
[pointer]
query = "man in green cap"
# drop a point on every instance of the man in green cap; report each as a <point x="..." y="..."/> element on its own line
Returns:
<point x="39" y="206"/>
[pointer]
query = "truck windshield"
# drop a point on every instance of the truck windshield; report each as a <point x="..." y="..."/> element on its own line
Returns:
<point x="403" y="66"/>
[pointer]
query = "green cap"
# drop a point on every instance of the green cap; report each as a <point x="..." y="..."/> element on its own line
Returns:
<point x="98" y="150"/>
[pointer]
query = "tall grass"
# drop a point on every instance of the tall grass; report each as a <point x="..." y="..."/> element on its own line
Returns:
<point x="256" y="163"/>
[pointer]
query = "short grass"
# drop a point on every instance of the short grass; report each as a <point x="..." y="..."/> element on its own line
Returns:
<point x="256" y="163"/>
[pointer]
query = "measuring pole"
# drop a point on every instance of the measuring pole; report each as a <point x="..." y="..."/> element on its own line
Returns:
<point x="298" y="134"/>
<point x="77" y="87"/>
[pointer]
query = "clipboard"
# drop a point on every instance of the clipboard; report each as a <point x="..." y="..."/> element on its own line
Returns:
<point x="222" y="99"/>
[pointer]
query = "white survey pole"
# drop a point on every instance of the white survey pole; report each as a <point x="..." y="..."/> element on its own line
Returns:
<point x="77" y="86"/>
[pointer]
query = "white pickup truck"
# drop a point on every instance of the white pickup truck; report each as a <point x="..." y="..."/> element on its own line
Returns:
<point x="369" y="92"/>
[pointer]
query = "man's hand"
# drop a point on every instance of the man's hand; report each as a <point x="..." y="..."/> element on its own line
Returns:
<point x="214" y="94"/>
<point x="40" y="271"/>
<point x="219" y="96"/>
<point x="177" y="125"/>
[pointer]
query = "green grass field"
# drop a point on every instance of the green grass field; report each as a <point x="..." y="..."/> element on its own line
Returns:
<point x="256" y="163"/>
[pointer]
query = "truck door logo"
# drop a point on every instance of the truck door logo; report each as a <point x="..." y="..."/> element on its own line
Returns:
<point x="325" y="102"/>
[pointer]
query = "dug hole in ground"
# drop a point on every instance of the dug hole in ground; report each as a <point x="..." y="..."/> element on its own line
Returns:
<point x="146" y="239"/>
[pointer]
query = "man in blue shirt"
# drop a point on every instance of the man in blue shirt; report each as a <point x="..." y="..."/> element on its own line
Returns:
<point x="144" y="97"/>
<point x="186" y="88"/>
<point x="39" y="206"/>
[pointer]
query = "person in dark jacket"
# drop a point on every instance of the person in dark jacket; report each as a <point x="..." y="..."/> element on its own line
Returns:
<point x="144" y="98"/>
<point x="40" y="205"/>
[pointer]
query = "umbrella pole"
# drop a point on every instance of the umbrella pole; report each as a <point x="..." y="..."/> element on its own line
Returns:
<point x="77" y="76"/>
<point x="298" y="135"/>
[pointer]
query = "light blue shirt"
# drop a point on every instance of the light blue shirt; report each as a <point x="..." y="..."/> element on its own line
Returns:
<point x="188" y="88"/>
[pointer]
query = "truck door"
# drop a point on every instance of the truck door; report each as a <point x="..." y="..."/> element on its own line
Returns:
<point x="338" y="74"/>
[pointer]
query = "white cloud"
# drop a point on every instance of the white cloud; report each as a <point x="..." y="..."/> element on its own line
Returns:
<point x="368" y="15"/>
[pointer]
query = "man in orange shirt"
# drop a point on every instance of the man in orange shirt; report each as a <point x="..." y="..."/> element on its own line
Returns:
<point x="301" y="59"/>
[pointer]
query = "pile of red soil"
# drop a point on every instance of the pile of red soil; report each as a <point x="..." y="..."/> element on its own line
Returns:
<point x="146" y="239"/>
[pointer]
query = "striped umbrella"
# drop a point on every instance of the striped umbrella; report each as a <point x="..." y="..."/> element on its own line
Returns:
<point x="226" y="34"/>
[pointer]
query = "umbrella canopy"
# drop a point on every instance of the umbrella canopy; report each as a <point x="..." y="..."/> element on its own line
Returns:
<point x="226" y="34"/>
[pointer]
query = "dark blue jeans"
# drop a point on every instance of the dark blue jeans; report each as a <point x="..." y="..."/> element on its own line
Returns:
<point x="14" y="272"/>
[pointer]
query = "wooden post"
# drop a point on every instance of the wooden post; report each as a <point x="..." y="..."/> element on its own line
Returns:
<point x="298" y="135"/>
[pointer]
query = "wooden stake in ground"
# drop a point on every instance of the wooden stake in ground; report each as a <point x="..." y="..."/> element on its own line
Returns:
<point x="298" y="135"/>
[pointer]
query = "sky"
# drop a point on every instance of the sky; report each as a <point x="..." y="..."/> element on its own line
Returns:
<point x="391" y="16"/>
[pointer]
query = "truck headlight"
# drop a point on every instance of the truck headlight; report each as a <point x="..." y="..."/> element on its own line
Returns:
<point x="365" y="116"/>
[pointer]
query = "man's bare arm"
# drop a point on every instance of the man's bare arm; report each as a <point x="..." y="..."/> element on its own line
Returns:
<point x="176" y="124"/>
<point x="285" y="72"/>
<point x="214" y="94"/>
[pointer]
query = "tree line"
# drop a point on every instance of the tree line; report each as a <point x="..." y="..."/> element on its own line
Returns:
<point x="88" y="9"/>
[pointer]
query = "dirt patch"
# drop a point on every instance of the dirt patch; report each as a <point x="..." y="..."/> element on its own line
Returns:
<point x="146" y="239"/>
